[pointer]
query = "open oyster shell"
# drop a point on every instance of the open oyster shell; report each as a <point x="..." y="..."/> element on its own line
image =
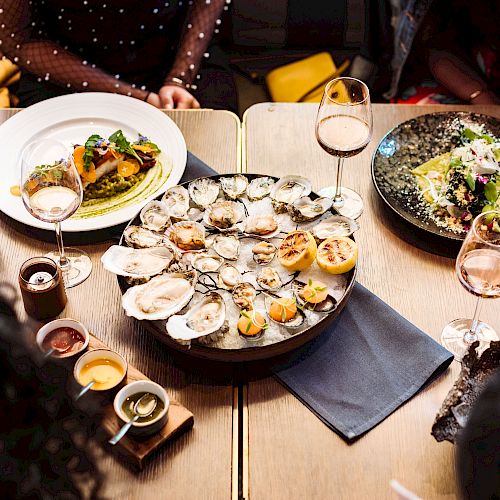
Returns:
<point x="176" y="200"/>
<point x="155" y="216"/>
<point x="140" y="237"/>
<point x="229" y="276"/>
<point x="233" y="186"/>
<point x="295" y="322"/>
<point x="186" y="235"/>
<point x="160" y="297"/>
<point x="287" y="190"/>
<point x="326" y="306"/>
<point x="259" y="188"/>
<point x="269" y="279"/>
<point x="336" y="225"/>
<point x="203" y="191"/>
<point x="207" y="263"/>
<point x="135" y="262"/>
<point x="243" y="295"/>
<point x="228" y="247"/>
<point x="203" y="318"/>
<point x="304" y="209"/>
<point x="224" y="214"/>
<point x="264" y="226"/>
<point x="263" y="252"/>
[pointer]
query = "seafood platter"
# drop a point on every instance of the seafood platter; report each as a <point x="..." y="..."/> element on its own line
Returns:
<point x="236" y="267"/>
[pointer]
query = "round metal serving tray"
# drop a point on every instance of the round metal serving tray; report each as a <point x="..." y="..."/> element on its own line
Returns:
<point x="251" y="353"/>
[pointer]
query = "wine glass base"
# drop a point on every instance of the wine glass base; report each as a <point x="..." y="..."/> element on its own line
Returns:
<point x="353" y="204"/>
<point x="453" y="333"/>
<point x="79" y="269"/>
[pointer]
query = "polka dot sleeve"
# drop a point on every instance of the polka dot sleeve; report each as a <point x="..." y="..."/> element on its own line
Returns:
<point x="48" y="60"/>
<point x="203" y="20"/>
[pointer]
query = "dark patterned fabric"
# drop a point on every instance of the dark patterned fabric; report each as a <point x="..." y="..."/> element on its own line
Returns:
<point x="128" y="47"/>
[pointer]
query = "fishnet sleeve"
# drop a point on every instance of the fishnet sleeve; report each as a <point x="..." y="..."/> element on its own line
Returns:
<point x="48" y="60"/>
<point x="202" y="21"/>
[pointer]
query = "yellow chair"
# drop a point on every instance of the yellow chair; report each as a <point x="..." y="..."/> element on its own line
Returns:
<point x="304" y="80"/>
<point x="9" y="74"/>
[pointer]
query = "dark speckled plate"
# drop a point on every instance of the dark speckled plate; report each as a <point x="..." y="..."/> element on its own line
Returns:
<point x="409" y="145"/>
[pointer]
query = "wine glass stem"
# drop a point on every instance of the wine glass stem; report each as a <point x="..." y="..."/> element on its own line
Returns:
<point x="338" y="201"/>
<point x="63" y="261"/>
<point x="471" y="335"/>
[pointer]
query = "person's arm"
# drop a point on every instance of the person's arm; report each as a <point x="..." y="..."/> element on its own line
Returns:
<point x="458" y="77"/>
<point x="203" y="19"/>
<point x="51" y="62"/>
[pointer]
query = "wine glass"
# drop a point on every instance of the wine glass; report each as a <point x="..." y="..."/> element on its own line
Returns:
<point x="344" y="129"/>
<point x="52" y="191"/>
<point x="478" y="269"/>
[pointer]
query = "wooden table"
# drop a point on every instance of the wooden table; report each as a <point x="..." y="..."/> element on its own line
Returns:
<point x="198" y="464"/>
<point x="288" y="452"/>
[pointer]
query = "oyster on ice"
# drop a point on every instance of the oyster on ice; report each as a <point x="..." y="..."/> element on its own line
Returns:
<point x="187" y="235"/>
<point x="203" y="191"/>
<point x="206" y="263"/>
<point x="265" y="226"/>
<point x="155" y="216"/>
<point x="160" y="297"/>
<point x="234" y="186"/>
<point x="304" y="209"/>
<point x="229" y="276"/>
<point x="269" y="279"/>
<point x="243" y="295"/>
<point x="140" y="237"/>
<point x="202" y="319"/>
<point x="259" y="188"/>
<point x="289" y="315"/>
<point x="263" y="252"/>
<point x="227" y="247"/>
<point x="287" y="190"/>
<point x="176" y="200"/>
<point x="224" y="214"/>
<point x="325" y="306"/>
<point x="136" y="262"/>
<point x="336" y="225"/>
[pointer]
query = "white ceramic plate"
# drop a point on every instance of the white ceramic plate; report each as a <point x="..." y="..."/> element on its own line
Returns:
<point x="71" y="119"/>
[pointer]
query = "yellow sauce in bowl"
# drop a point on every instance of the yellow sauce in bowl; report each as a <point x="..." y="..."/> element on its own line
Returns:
<point x="107" y="373"/>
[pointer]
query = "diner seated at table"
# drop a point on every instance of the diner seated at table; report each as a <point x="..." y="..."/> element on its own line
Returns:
<point x="158" y="53"/>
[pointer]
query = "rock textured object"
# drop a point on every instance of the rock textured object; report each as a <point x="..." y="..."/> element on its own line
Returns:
<point x="475" y="373"/>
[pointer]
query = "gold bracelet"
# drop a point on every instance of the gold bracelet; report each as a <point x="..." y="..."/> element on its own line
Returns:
<point x="475" y="94"/>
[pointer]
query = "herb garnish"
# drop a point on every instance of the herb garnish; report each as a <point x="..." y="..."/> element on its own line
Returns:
<point x="143" y="141"/>
<point x="88" y="156"/>
<point x="123" y="146"/>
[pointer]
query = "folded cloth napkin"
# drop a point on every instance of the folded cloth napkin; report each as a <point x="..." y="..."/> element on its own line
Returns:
<point x="196" y="168"/>
<point x="364" y="366"/>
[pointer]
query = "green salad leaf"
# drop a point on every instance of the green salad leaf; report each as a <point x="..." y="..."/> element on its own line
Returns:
<point x="90" y="145"/>
<point x="124" y="146"/>
<point x="490" y="192"/>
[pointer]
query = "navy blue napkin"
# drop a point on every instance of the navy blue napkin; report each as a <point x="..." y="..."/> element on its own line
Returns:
<point x="364" y="366"/>
<point x="195" y="168"/>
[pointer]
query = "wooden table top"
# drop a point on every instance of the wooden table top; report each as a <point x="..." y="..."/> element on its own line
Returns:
<point x="265" y="443"/>
<point x="289" y="452"/>
<point x="197" y="464"/>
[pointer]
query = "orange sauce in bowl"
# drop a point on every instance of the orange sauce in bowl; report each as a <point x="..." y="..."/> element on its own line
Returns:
<point x="107" y="373"/>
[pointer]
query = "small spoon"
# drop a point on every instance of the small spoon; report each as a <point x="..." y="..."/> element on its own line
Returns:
<point x="60" y="350"/>
<point x="95" y="380"/>
<point x="145" y="405"/>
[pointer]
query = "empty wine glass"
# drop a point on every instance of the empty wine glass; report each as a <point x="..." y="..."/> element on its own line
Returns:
<point x="344" y="129"/>
<point x="478" y="269"/>
<point x="52" y="191"/>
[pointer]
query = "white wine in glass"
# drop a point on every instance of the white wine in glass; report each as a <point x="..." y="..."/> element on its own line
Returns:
<point x="52" y="191"/>
<point x="478" y="270"/>
<point x="344" y="129"/>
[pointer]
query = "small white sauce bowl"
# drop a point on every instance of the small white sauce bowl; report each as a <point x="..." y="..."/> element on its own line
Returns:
<point x="143" y="428"/>
<point x="100" y="354"/>
<point x="63" y="323"/>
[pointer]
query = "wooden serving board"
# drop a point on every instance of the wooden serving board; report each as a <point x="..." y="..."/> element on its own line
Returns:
<point x="137" y="449"/>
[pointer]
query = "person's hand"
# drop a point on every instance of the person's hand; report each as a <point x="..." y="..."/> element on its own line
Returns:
<point x="154" y="100"/>
<point x="173" y="96"/>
